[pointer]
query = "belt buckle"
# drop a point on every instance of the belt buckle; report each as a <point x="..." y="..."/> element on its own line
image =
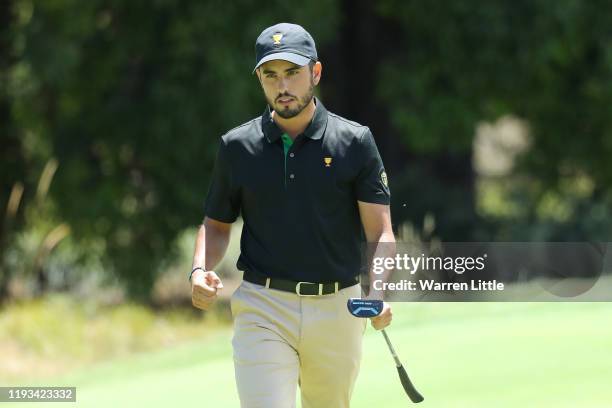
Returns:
<point x="299" y="285"/>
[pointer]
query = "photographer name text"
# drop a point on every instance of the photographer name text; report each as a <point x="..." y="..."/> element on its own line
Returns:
<point x="431" y="285"/>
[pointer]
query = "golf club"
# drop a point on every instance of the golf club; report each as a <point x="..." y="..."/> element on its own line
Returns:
<point x="372" y="308"/>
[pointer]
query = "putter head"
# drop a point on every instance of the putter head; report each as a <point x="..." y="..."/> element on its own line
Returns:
<point x="364" y="308"/>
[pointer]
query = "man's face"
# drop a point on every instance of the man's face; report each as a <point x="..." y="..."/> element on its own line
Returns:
<point x="288" y="87"/>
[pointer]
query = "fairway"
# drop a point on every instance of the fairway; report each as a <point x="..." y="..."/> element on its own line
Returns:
<point x="457" y="354"/>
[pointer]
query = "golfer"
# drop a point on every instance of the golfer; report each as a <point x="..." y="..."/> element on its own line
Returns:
<point x="309" y="185"/>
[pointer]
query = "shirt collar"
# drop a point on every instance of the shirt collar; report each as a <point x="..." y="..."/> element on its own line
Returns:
<point x="314" y="130"/>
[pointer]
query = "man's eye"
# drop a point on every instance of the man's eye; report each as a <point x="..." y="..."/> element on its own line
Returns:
<point x="292" y="72"/>
<point x="270" y="76"/>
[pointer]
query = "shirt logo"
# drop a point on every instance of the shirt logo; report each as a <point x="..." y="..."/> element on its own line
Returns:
<point x="384" y="179"/>
<point x="277" y="38"/>
<point x="327" y="161"/>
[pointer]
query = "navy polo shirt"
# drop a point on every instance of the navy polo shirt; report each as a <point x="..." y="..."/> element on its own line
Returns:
<point x="298" y="200"/>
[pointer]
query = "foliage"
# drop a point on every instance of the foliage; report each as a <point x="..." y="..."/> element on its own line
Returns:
<point x="548" y="63"/>
<point x="130" y="99"/>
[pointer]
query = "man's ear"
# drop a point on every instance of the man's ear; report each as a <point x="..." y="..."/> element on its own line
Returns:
<point x="317" y="70"/>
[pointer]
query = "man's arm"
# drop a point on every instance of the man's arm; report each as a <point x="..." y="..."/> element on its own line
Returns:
<point x="376" y="221"/>
<point x="211" y="244"/>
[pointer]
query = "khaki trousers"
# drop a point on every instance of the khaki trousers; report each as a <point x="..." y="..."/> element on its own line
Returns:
<point x="282" y="340"/>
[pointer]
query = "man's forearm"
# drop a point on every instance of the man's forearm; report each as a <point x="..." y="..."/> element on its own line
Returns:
<point x="211" y="244"/>
<point x="385" y="248"/>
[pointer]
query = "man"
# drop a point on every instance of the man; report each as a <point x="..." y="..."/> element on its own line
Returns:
<point x="307" y="182"/>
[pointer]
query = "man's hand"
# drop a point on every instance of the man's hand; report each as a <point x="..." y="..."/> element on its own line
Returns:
<point x="204" y="287"/>
<point x="383" y="319"/>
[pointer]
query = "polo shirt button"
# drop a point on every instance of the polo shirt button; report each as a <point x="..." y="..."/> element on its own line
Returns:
<point x="291" y="154"/>
<point x="292" y="176"/>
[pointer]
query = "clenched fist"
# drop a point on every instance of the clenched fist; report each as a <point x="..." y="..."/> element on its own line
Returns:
<point x="204" y="287"/>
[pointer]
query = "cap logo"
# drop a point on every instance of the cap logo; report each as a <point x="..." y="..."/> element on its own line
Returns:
<point x="277" y="38"/>
<point x="327" y="161"/>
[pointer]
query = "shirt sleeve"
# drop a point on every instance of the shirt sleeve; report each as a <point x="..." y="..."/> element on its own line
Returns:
<point x="371" y="184"/>
<point x="222" y="201"/>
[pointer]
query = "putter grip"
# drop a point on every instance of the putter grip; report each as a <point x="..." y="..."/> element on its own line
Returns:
<point x="408" y="387"/>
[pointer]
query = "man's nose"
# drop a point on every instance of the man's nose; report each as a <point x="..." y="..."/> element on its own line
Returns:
<point x="282" y="85"/>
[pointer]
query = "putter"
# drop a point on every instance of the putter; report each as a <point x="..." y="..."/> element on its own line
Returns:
<point x="372" y="308"/>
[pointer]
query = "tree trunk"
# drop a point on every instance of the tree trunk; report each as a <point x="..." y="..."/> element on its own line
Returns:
<point x="364" y="41"/>
<point x="442" y="184"/>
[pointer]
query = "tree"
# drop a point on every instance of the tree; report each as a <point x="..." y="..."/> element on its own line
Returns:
<point x="133" y="97"/>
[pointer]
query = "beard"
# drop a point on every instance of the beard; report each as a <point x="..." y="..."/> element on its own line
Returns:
<point x="303" y="101"/>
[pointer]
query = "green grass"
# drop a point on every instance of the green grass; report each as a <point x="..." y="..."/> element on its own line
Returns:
<point x="458" y="355"/>
<point x="57" y="334"/>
